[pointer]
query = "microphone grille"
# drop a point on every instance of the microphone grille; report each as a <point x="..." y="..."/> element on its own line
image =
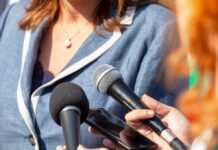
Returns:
<point x="68" y="94"/>
<point x="104" y="76"/>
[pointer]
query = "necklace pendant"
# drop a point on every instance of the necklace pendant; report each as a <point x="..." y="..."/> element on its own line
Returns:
<point x="67" y="43"/>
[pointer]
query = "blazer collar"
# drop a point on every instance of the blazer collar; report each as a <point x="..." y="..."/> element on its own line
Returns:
<point x="127" y="19"/>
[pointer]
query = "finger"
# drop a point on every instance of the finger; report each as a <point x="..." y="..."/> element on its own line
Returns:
<point x="80" y="147"/>
<point x="140" y="127"/>
<point x="109" y="144"/>
<point x="144" y="130"/>
<point x="154" y="105"/>
<point x="135" y="124"/>
<point x="139" y="114"/>
<point x="92" y="130"/>
<point x="60" y="148"/>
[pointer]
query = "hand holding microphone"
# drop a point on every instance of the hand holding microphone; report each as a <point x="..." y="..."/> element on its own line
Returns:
<point x="110" y="81"/>
<point x="174" y="119"/>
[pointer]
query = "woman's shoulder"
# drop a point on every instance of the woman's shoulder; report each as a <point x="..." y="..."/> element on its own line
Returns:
<point x="16" y="9"/>
<point x="155" y="14"/>
<point x="13" y="14"/>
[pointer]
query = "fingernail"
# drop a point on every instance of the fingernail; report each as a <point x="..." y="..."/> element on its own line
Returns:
<point x="80" y="147"/>
<point x="59" y="147"/>
<point x="151" y="113"/>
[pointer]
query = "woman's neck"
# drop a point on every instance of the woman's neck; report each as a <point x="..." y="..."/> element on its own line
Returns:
<point x="73" y="11"/>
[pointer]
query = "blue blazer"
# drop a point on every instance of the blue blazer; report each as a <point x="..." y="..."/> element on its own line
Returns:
<point x="138" y="51"/>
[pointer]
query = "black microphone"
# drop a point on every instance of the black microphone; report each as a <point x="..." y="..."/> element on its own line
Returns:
<point x="69" y="107"/>
<point x="109" y="81"/>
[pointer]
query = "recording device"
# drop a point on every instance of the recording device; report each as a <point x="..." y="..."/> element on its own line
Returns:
<point x="118" y="131"/>
<point x="69" y="107"/>
<point x="109" y="81"/>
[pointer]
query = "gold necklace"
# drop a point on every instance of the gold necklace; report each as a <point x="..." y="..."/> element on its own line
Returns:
<point x="68" y="39"/>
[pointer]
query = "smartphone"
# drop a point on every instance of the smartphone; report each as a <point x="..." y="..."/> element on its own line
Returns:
<point x="118" y="131"/>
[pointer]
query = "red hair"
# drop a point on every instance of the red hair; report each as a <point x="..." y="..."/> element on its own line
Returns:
<point x="198" y="21"/>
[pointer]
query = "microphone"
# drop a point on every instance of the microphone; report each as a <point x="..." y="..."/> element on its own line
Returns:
<point x="69" y="107"/>
<point x="109" y="81"/>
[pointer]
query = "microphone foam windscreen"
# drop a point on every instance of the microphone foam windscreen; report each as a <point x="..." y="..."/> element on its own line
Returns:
<point x="68" y="94"/>
<point x="104" y="76"/>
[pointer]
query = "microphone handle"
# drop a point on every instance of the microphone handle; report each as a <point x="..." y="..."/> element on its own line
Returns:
<point x="70" y="122"/>
<point x="121" y="92"/>
<point x="128" y="98"/>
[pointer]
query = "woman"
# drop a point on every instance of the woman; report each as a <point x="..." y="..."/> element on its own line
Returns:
<point x="64" y="41"/>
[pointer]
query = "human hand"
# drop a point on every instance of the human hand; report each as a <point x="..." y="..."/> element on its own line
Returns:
<point x="80" y="147"/>
<point x="106" y="142"/>
<point x="61" y="148"/>
<point x="172" y="118"/>
<point x="125" y="135"/>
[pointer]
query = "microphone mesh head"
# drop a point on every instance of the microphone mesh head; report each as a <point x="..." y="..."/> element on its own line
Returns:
<point x="104" y="76"/>
<point x="68" y="94"/>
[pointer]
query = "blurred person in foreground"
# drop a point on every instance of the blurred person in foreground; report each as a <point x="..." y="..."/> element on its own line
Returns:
<point x="198" y="24"/>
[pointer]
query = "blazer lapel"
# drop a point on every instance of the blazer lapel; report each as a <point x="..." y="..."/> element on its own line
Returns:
<point x="29" y="54"/>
